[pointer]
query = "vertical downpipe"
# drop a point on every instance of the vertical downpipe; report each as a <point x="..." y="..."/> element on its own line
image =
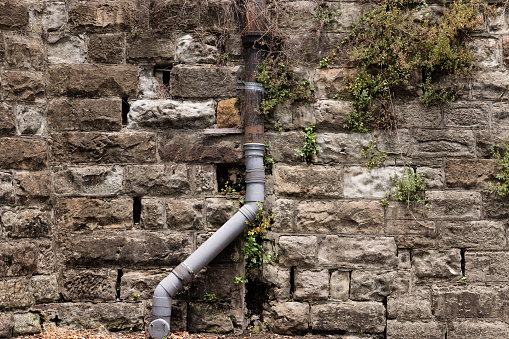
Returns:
<point x="255" y="179"/>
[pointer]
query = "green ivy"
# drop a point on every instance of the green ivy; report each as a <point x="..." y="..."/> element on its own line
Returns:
<point x="501" y="154"/>
<point x="310" y="146"/>
<point x="374" y="157"/>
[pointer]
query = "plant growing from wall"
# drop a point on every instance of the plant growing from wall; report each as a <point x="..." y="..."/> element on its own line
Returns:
<point x="374" y="157"/>
<point x="210" y="298"/>
<point x="324" y="14"/>
<point x="394" y="45"/>
<point x="501" y="154"/>
<point x="310" y="147"/>
<point x="268" y="160"/>
<point x="409" y="187"/>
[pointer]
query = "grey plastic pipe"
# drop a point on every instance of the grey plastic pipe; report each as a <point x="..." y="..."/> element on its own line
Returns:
<point x="186" y="271"/>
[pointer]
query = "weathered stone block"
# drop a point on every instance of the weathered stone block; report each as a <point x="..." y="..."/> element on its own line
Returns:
<point x="490" y="85"/>
<point x="500" y="118"/>
<point x="486" y="139"/>
<point x="19" y="258"/>
<point x="297" y="250"/>
<point x="5" y="325"/>
<point x="340" y="216"/>
<point x="6" y="188"/>
<point x="157" y="180"/>
<point x="23" y="85"/>
<point x="289" y="317"/>
<point x="24" y="51"/>
<point x="362" y="182"/>
<point x="208" y="318"/>
<point x="30" y="120"/>
<point x="46" y="257"/>
<point x="218" y="280"/>
<point x="470" y="172"/>
<point x="15" y="293"/>
<point x="186" y="214"/>
<point x="153" y="213"/>
<point x="128" y="249"/>
<point x="26" y="323"/>
<point x="279" y="279"/>
<point x="21" y="153"/>
<point x="21" y="222"/>
<point x="344" y="316"/>
<point x="340" y="285"/>
<point x="341" y="148"/>
<point x="486" y="266"/>
<point x="282" y="146"/>
<point x="7" y="122"/>
<point x="48" y="17"/>
<point x="311" y="284"/>
<point x="196" y="51"/>
<point x="72" y="214"/>
<point x="14" y="15"/>
<point x="93" y="80"/>
<point x="415" y="241"/>
<point x="45" y="288"/>
<point x="424" y="227"/>
<point x="298" y="15"/>
<point x="171" y="114"/>
<point x="82" y="147"/>
<point x="85" y="114"/>
<point x="113" y="316"/>
<point x="413" y="305"/>
<point x="415" y="330"/>
<point x="329" y="81"/>
<point x="437" y="143"/>
<point x="88" y="285"/>
<point x="376" y="286"/>
<point x="475" y="328"/>
<point x="332" y="114"/>
<point x="284" y="210"/>
<point x="106" y="48"/>
<point x="454" y="205"/>
<point x="219" y="211"/>
<point x="414" y="114"/>
<point x="482" y="234"/>
<point x="467" y="114"/>
<point x="100" y="16"/>
<point x="191" y="147"/>
<point x="203" y="81"/>
<point x="205" y="181"/>
<point x="339" y="251"/>
<point x="437" y="264"/>
<point x="66" y="49"/>
<point x="150" y="48"/>
<point x="91" y="181"/>
<point x="228" y="113"/>
<point x="495" y="207"/>
<point x="310" y="181"/>
<point x="139" y="282"/>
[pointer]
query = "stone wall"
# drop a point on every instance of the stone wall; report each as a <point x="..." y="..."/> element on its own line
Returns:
<point x="119" y="125"/>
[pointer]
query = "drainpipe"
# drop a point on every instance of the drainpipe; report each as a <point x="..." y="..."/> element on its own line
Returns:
<point x="255" y="180"/>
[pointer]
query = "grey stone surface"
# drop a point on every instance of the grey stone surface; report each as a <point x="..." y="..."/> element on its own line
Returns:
<point x="413" y="305"/>
<point x="6" y="188"/>
<point x="203" y="81"/>
<point x="362" y="182"/>
<point x="487" y="266"/>
<point x="482" y="234"/>
<point x="467" y="114"/>
<point x="153" y="213"/>
<point x="454" y="205"/>
<point x="477" y="329"/>
<point x="45" y="288"/>
<point x="157" y="180"/>
<point x="311" y="284"/>
<point x="284" y="210"/>
<point x="438" y="143"/>
<point x="340" y="148"/>
<point x="15" y="293"/>
<point x="26" y="323"/>
<point x="49" y="16"/>
<point x="340" y="285"/>
<point x="376" y="286"/>
<point x="415" y="330"/>
<point x="88" y="181"/>
<point x="208" y="318"/>
<point x="30" y="120"/>
<point x="289" y="317"/>
<point x="5" y="325"/>
<point x="186" y="214"/>
<point x="313" y="181"/>
<point x="88" y="285"/>
<point x="219" y="211"/>
<point x="66" y="49"/>
<point x="190" y="50"/>
<point x="297" y="250"/>
<point x="437" y="264"/>
<point x="20" y="222"/>
<point x="279" y="278"/>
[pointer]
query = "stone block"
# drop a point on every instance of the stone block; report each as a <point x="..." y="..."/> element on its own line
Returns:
<point x="467" y="173"/>
<point x="486" y="266"/>
<point x="362" y="182"/>
<point x="289" y="317"/>
<point x="454" y="205"/>
<point x="332" y="114"/>
<point x="46" y="256"/>
<point x="486" y="139"/>
<point x="153" y="213"/>
<point x="157" y="180"/>
<point x="413" y="305"/>
<point x="88" y="285"/>
<point x="186" y="214"/>
<point x="490" y="85"/>
<point x="45" y="288"/>
<point x="282" y="146"/>
<point x="106" y="48"/>
<point x="284" y="210"/>
<point x="379" y="253"/>
<point x="88" y="181"/>
<point x="204" y="317"/>
<point x="85" y="114"/>
<point x="494" y="206"/>
<point x="73" y="214"/>
<point x="314" y="45"/>
<point x="22" y="222"/>
<point x="500" y="117"/>
<point x="340" y="216"/>
<point x="197" y="147"/>
<point x="48" y="16"/>
<point x="5" y="325"/>
<point x="105" y="17"/>
<point x="32" y="186"/>
<point x="419" y="226"/>
<point x="19" y="258"/>
<point x="467" y="114"/>
<point x="415" y="241"/>
<point x="196" y="50"/>
<point x="164" y="114"/>
<point x="376" y="286"/>
<point x="437" y="264"/>
<point x="344" y="316"/>
<point x="7" y="122"/>
<point x="340" y="285"/>
<point x="342" y="147"/>
<point x="26" y="323"/>
<point x="112" y="316"/>
<point x="219" y="211"/>
<point x="298" y="15"/>
<point x="482" y="234"/>
<point x="438" y="143"/>
<point x="279" y="279"/>
<point x="94" y="80"/>
<point x="30" y="120"/>
<point x="297" y="250"/>
<point x="205" y="181"/>
<point x="308" y="181"/>
<point x="415" y="330"/>
<point x="127" y="249"/>
<point x="139" y="282"/>
<point x="487" y="51"/>
<point x="217" y="280"/>
<point x="474" y="328"/>
<point x="14" y="15"/>
<point x="228" y="113"/>
<point x="66" y="49"/>
<point x="311" y="284"/>
<point x="150" y="48"/>
<point x="95" y="147"/>
<point x="24" y="51"/>
<point x="23" y="85"/>
<point x="15" y="293"/>
<point x="203" y="81"/>
<point x="6" y="188"/>
<point x="330" y="81"/>
<point x="414" y="115"/>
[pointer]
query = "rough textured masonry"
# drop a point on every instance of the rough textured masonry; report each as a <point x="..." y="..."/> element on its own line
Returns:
<point x="109" y="177"/>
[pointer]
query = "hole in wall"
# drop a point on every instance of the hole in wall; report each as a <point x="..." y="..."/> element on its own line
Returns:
<point x="231" y="178"/>
<point x="292" y="281"/>
<point x="163" y="75"/>
<point x="136" y="210"/>
<point x="256" y="295"/>
<point x="462" y="253"/>
<point x="125" y="110"/>
<point x="118" y="283"/>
